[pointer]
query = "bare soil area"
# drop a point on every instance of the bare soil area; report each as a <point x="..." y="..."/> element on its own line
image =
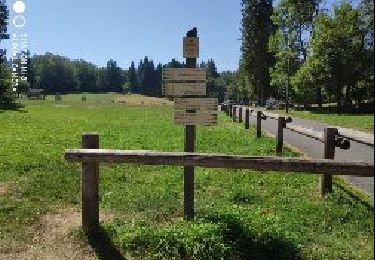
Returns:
<point x="53" y="239"/>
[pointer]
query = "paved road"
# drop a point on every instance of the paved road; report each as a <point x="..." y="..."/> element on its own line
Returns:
<point x="314" y="149"/>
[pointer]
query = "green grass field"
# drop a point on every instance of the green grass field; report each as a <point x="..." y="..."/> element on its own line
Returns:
<point x="240" y="214"/>
<point x="357" y="121"/>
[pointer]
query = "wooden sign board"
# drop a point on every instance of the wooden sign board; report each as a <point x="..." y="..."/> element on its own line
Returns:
<point x="196" y="111"/>
<point x="184" y="89"/>
<point x="184" y="74"/>
<point x="191" y="47"/>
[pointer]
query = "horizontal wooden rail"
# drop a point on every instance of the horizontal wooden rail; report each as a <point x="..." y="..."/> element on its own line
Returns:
<point x="349" y="134"/>
<point x="278" y="164"/>
<point x="319" y="136"/>
<point x="357" y="136"/>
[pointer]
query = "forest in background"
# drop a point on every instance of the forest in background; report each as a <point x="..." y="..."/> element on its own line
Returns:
<point x="58" y="74"/>
<point x="316" y="54"/>
<point x="294" y="48"/>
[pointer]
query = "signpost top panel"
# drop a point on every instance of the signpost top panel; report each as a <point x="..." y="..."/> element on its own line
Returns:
<point x="191" y="47"/>
<point x="184" y="74"/>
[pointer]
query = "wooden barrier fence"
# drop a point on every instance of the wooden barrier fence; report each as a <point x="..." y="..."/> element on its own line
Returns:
<point x="331" y="138"/>
<point x="91" y="156"/>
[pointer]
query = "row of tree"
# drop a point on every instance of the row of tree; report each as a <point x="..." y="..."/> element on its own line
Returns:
<point x="296" y="48"/>
<point x="55" y="73"/>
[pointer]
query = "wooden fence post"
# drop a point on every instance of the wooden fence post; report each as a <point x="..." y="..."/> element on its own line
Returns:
<point x="329" y="153"/>
<point x="190" y="135"/>
<point x="280" y="136"/>
<point x="234" y="114"/>
<point x="90" y="187"/>
<point x="230" y="110"/>
<point x="247" y="118"/>
<point x="259" y="124"/>
<point x="240" y="115"/>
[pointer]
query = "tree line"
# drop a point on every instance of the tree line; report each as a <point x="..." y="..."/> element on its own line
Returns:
<point x="6" y="96"/>
<point x="297" y="48"/>
<point x="58" y="74"/>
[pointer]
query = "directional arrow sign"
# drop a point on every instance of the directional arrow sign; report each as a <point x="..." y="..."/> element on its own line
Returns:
<point x="184" y="89"/>
<point x="195" y="111"/>
<point x="184" y="74"/>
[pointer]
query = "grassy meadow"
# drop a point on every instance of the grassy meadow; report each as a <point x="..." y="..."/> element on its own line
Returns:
<point x="241" y="214"/>
<point x="364" y="122"/>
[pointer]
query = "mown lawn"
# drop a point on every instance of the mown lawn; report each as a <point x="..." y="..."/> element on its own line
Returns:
<point x="363" y="122"/>
<point x="240" y="214"/>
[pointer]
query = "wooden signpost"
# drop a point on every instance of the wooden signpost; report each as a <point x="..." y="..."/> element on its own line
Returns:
<point x="184" y="74"/>
<point x="184" y="89"/>
<point x="196" y="111"/>
<point x="191" y="47"/>
<point x="191" y="108"/>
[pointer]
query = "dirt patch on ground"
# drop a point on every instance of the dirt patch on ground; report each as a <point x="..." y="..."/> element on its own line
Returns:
<point x="62" y="106"/>
<point x="142" y="100"/>
<point x="5" y="188"/>
<point x="53" y="239"/>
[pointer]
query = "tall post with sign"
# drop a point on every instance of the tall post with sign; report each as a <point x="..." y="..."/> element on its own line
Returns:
<point x="191" y="53"/>
<point x="191" y="107"/>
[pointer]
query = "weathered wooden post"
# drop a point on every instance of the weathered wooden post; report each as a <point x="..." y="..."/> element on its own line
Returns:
<point x="190" y="134"/>
<point x="259" y="124"/>
<point x="230" y="110"/>
<point x="280" y="135"/>
<point x="90" y="187"/>
<point x="234" y="114"/>
<point x="330" y="134"/>
<point x="240" y="115"/>
<point x="188" y="86"/>
<point x="247" y="118"/>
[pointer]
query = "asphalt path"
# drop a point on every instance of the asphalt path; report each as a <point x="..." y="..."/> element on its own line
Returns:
<point x="315" y="149"/>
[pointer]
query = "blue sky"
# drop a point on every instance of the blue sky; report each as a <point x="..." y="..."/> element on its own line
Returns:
<point x="127" y="30"/>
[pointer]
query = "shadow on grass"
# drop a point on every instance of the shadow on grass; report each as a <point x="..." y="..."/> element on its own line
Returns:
<point x="103" y="246"/>
<point x="12" y="107"/>
<point x="357" y="198"/>
<point x="254" y="247"/>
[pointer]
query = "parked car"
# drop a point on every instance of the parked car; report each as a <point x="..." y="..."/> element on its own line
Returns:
<point x="272" y="104"/>
<point x="228" y="102"/>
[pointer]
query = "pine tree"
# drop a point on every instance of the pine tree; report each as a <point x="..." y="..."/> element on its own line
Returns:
<point x="257" y="26"/>
<point x="132" y="76"/>
<point x="159" y="80"/>
<point x="115" y="80"/>
<point x="6" y="95"/>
